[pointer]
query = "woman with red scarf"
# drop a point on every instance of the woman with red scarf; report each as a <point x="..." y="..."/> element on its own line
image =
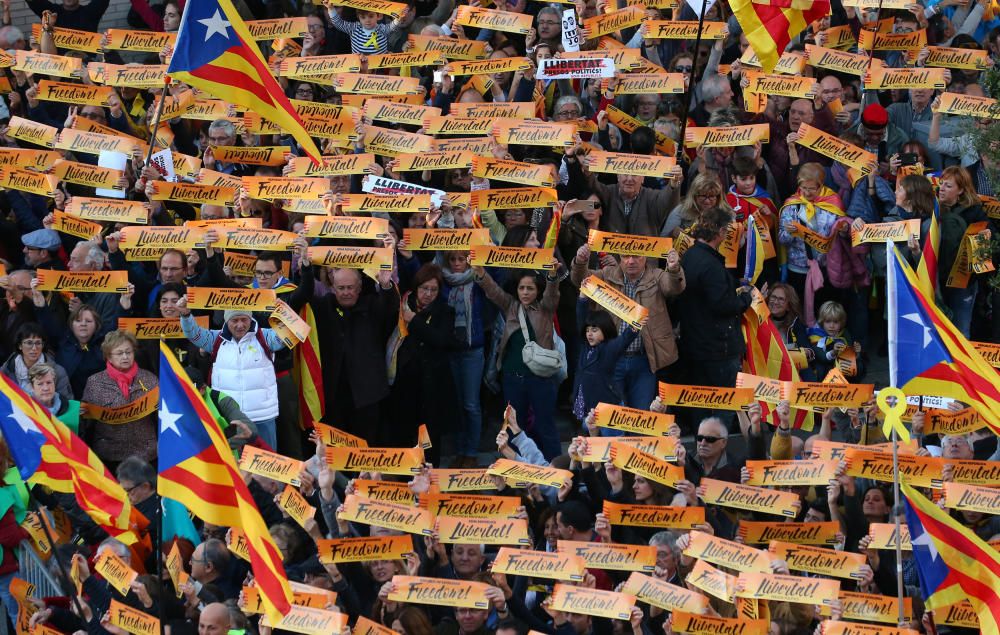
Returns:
<point x="121" y="383"/>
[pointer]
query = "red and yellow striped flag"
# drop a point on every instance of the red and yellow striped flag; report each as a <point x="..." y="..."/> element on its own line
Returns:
<point x="770" y="26"/>
<point x="307" y="370"/>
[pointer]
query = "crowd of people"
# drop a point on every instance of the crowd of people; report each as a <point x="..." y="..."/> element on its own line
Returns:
<point x="438" y="338"/>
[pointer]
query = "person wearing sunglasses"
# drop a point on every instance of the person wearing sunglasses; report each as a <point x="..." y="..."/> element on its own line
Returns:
<point x="710" y="459"/>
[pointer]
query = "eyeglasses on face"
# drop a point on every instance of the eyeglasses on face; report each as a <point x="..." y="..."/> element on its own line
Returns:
<point x="706" y="438"/>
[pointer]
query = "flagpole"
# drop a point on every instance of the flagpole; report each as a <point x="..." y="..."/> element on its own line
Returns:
<point x="156" y="119"/>
<point x="893" y="310"/>
<point x="691" y="83"/>
<point x="59" y="561"/>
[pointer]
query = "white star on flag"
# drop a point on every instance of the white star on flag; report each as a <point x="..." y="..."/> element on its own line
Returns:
<point x="913" y="317"/>
<point x="925" y="540"/>
<point x="168" y="420"/>
<point x="23" y="421"/>
<point x="215" y="24"/>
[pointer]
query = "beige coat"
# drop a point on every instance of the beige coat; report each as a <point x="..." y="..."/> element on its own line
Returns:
<point x="655" y="287"/>
<point x="540" y="314"/>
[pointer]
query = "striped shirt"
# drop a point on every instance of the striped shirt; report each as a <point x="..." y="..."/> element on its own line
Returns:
<point x="363" y="41"/>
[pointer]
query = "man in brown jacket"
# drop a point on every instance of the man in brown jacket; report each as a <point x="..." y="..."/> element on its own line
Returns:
<point x="650" y="286"/>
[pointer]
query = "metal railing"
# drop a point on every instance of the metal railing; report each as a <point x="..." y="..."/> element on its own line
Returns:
<point x="35" y="571"/>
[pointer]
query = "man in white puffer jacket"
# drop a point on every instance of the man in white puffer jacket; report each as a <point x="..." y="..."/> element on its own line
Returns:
<point x="243" y="364"/>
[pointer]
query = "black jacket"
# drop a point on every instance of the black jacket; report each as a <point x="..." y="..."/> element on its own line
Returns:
<point x="709" y="308"/>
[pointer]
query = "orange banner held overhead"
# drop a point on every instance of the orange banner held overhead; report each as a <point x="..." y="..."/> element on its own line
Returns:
<point x="611" y="556"/>
<point x="632" y="420"/>
<point x="645" y="465"/>
<point x="584" y="601"/>
<point x="818" y="560"/>
<point x="663" y="594"/>
<point x="804" y="533"/>
<point x="918" y="471"/>
<point x="791" y="473"/>
<point x="470" y="505"/>
<point x="83" y="281"/>
<point x="631" y="515"/>
<point x="440" y="592"/>
<point x="512" y="257"/>
<point x="683" y="622"/>
<point x="403" y="518"/>
<point x="462" y="480"/>
<point x="364" y="549"/>
<point x="727" y="136"/>
<point x="748" y="497"/>
<point x="615" y="302"/>
<point x="403" y="461"/>
<point x="223" y="298"/>
<point x="526" y="472"/>
<point x="706" y="397"/>
<point x="132" y="620"/>
<point x="787" y="588"/>
<point x="838" y="627"/>
<point x="482" y="531"/>
<point x="343" y="257"/>
<point x="539" y="564"/>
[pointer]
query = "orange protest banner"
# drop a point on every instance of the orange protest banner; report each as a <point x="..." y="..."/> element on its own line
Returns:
<point x="400" y="517"/>
<point x="83" y="281"/>
<point x="222" y="298"/>
<point x="715" y="582"/>
<point x="611" y="556"/>
<point x="309" y="621"/>
<point x="615" y="302"/>
<point x="808" y="395"/>
<point x="918" y="471"/>
<point x="869" y="607"/>
<point x="139" y="408"/>
<point x="364" y="549"/>
<point x="132" y="620"/>
<point x="482" y="531"/>
<point x="66" y="224"/>
<point x="787" y="588"/>
<point x="747" y="497"/>
<point x="706" y="397"/>
<point x="804" y="533"/>
<point x="632" y="515"/>
<point x="838" y="627"/>
<point x="539" y="564"/>
<point x="385" y="491"/>
<point x="645" y="465"/>
<point x="116" y="571"/>
<point x="791" y="473"/>
<point x="683" y="622"/>
<point x="580" y="600"/>
<point x="727" y="136"/>
<point x="826" y="562"/>
<point x="335" y="437"/>
<point x="526" y="472"/>
<point x="512" y="257"/>
<point x="470" y="505"/>
<point x="634" y="420"/>
<point x="836" y="149"/>
<point x="664" y="595"/>
<point x="342" y="257"/>
<point x="598" y="449"/>
<point x="884" y="536"/>
<point x="271" y="465"/>
<point x="727" y="553"/>
<point x="404" y="461"/>
<point x="439" y="591"/>
<point x="462" y="480"/>
<point x="511" y="198"/>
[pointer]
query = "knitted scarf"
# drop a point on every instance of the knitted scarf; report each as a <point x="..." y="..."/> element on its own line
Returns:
<point x="123" y="378"/>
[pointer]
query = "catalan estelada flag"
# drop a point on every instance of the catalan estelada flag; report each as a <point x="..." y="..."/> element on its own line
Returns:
<point x="754" y="251"/>
<point x="197" y="470"/>
<point x="771" y="25"/>
<point x="48" y="453"/>
<point x="927" y="268"/>
<point x="216" y="53"/>
<point x="307" y="371"/>
<point x="953" y="563"/>
<point x="928" y="355"/>
<point x="767" y="356"/>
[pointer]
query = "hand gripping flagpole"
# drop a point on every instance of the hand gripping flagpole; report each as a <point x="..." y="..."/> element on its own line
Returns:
<point x="156" y="119"/>
<point x="893" y="412"/>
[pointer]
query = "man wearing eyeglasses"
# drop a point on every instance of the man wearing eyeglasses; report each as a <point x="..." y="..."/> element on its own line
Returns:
<point x="268" y="274"/>
<point x="710" y="459"/>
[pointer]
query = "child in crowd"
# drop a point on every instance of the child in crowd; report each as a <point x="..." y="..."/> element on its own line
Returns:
<point x="368" y="35"/>
<point x="747" y="198"/>
<point x="829" y="337"/>
<point x="599" y="353"/>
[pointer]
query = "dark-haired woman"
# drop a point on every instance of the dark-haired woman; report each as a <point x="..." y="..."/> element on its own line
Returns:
<point x="599" y="353"/>
<point x="417" y="359"/>
<point x="534" y="305"/>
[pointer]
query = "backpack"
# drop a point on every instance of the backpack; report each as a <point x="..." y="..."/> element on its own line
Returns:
<point x="846" y="265"/>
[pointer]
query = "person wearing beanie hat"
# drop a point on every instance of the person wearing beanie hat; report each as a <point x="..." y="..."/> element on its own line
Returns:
<point x="881" y="137"/>
<point x="242" y="357"/>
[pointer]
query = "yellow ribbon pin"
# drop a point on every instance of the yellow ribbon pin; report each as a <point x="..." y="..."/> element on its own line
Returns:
<point x="893" y="413"/>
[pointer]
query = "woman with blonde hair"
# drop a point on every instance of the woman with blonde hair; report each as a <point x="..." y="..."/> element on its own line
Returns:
<point x="705" y="193"/>
<point x="960" y="208"/>
<point x="814" y="207"/>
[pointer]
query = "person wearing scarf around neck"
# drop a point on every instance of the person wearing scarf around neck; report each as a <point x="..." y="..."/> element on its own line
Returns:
<point x="816" y="207"/>
<point x="30" y="345"/>
<point x="121" y="382"/>
<point x="467" y="361"/>
<point x="43" y="389"/>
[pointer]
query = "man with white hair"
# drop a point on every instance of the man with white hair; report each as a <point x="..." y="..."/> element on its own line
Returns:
<point x="88" y="256"/>
<point x="716" y="94"/>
